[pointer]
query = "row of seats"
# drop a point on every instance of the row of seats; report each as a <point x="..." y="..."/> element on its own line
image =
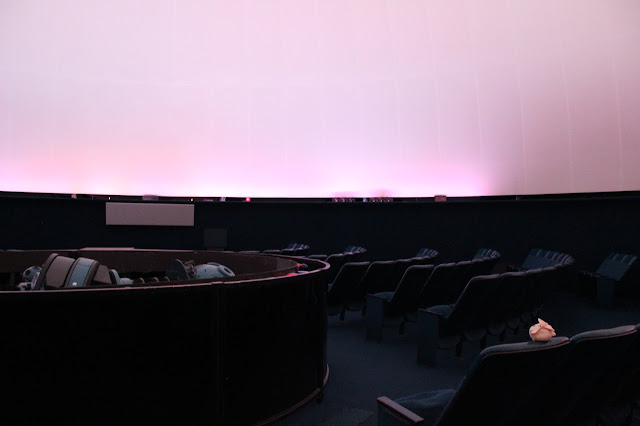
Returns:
<point x="292" y="249"/>
<point x="348" y="250"/>
<point x="539" y="258"/>
<point x="423" y="287"/>
<point x="490" y="305"/>
<point x="337" y="260"/>
<point x="354" y="280"/>
<point x="611" y="276"/>
<point x="591" y="378"/>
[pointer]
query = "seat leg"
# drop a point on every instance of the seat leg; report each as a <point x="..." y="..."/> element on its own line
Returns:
<point x="375" y="318"/>
<point x="459" y="348"/>
<point x="427" y="338"/>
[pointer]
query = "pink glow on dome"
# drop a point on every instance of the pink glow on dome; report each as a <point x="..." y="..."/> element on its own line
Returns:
<point x="409" y="98"/>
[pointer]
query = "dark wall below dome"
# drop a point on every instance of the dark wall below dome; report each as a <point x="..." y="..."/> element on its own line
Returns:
<point x="587" y="227"/>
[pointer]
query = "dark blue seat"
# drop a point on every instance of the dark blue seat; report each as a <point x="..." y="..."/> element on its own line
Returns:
<point x="398" y="303"/>
<point x="484" y="253"/>
<point x="378" y="278"/>
<point x="507" y="305"/>
<point x="425" y="256"/>
<point x="336" y="260"/>
<point x="401" y="266"/>
<point x="344" y="291"/>
<point x="427" y="252"/>
<point x="501" y="379"/>
<point x="466" y="320"/>
<point x="437" y="289"/>
<point x="614" y="399"/>
<point x="590" y="358"/>
<point x="605" y="281"/>
<point x="539" y="258"/>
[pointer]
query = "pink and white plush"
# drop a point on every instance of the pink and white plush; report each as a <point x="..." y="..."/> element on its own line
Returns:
<point x="541" y="332"/>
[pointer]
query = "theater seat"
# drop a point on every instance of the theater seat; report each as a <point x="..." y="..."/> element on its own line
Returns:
<point x="590" y="357"/>
<point x="501" y="379"/>
<point x="398" y="303"/>
<point x="466" y="320"/>
<point x="607" y="279"/>
<point x="343" y="292"/>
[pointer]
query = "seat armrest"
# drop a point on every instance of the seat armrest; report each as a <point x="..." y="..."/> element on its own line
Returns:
<point x="437" y="313"/>
<point x="374" y="318"/>
<point x="372" y="296"/>
<point x="398" y="411"/>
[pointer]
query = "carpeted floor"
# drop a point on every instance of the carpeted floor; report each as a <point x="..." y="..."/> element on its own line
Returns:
<point x="361" y="370"/>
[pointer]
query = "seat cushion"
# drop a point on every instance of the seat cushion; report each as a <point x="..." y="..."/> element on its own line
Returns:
<point x="440" y="310"/>
<point x="428" y="405"/>
<point x="386" y="295"/>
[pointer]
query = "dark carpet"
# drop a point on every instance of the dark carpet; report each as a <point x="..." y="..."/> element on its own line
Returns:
<point x="361" y="370"/>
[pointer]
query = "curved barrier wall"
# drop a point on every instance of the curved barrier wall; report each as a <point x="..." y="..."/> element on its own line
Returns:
<point x="240" y="352"/>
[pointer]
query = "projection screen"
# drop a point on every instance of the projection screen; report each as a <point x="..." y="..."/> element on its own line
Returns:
<point x="319" y="98"/>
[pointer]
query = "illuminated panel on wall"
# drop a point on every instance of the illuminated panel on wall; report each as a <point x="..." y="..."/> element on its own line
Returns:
<point x="319" y="98"/>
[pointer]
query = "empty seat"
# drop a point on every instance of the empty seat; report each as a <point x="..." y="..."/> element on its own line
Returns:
<point x="590" y="357"/>
<point x="344" y="290"/>
<point x="378" y="278"/>
<point x="614" y="398"/>
<point x="398" y="303"/>
<point x="538" y="258"/>
<point x="427" y="252"/>
<point x="501" y="379"/>
<point x="336" y="261"/>
<point x="615" y="266"/>
<point x="445" y="284"/>
<point x="604" y="282"/>
<point x="467" y="319"/>
<point x="507" y="305"/>
<point x="401" y="266"/>
<point x="484" y="253"/>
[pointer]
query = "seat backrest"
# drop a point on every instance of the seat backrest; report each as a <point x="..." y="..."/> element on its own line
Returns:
<point x="617" y="386"/>
<point x="486" y="252"/>
<point x="534" y="259"/>
<point x="589" y="358"/>
<point x="616" y="265"/>
<point x="620" y="388"/>
<point x="499" y="380"/>
<point x="436" y="290"/>
<point x="426" y="260"/>
<point x="464" y="271"/>
<point x="378" y="278"/>
<point x="508" y="301"/>
<point x="345" y="285"/>
<point x="535" y="286"/>
<point x="427" y="252"/>
<point x="481" y="266"/>
<point x="401" y="266"/>
<point x="538" y="258"/>
<point x="336" y="260"/>
<point x="473" y="309"/>
<point x="300" y="249"/>
<point x="406" y="294"/>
